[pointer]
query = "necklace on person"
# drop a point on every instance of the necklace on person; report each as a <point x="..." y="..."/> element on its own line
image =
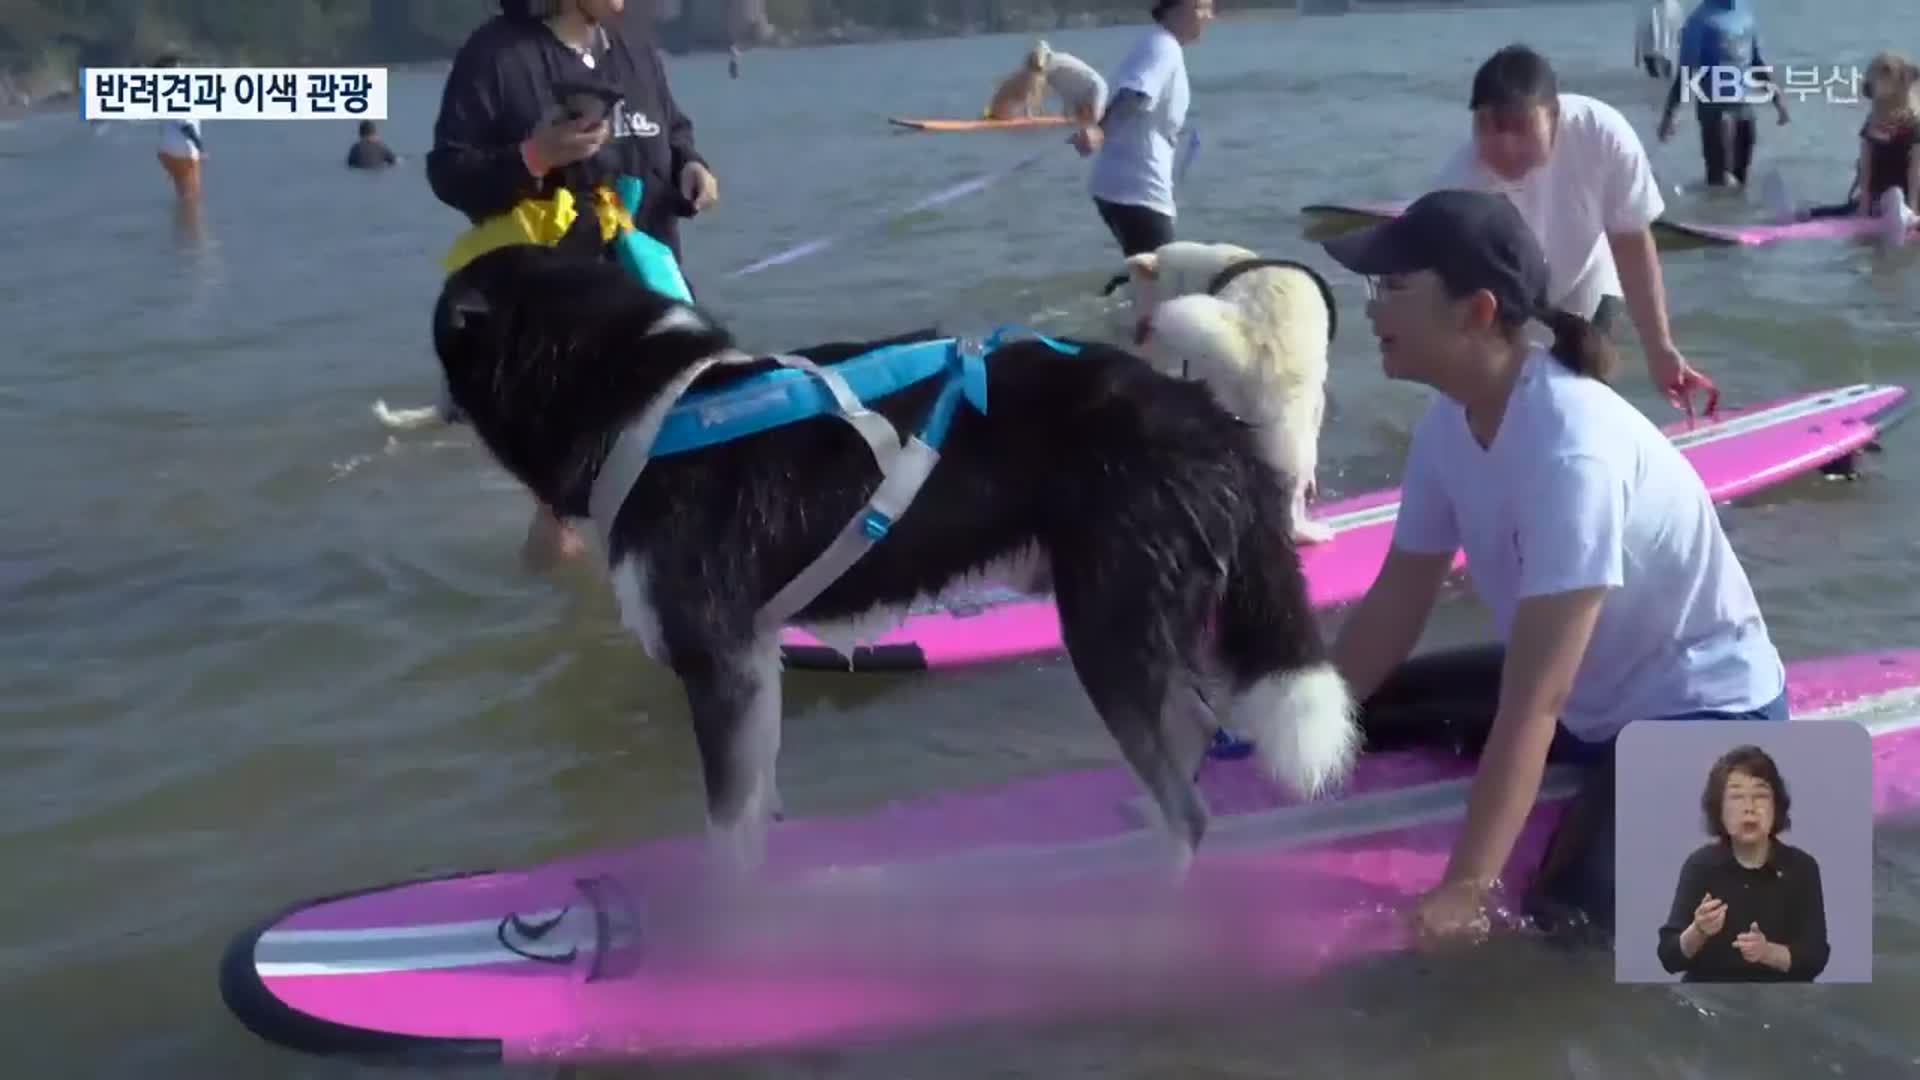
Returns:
<point x="595" y="36"/>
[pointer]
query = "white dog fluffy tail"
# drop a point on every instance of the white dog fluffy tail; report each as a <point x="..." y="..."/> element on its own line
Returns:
<point x="1303" y="725"/>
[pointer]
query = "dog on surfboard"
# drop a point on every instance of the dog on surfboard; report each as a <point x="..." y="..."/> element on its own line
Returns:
<point x="1257" y="332"/>
<point x="1160" y="521"/>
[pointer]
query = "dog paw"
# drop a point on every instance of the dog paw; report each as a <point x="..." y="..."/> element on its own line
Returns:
<point x="1312" y="532"/>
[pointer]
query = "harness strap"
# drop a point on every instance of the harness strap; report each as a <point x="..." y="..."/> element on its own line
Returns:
<point x="634" y="446"/>
<point x="896" y="493"/>
<point x="633" y="449"/>
<point x="904" y="467"/>
<point x="900" y="482"/>
<point x="966" y="378"/>
<point x="881" y="438"/>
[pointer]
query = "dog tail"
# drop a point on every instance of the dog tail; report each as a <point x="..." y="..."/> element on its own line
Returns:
<point x="440" y="415"/>
<point x="1287" y="696"/>
<point x="408" y="419"/>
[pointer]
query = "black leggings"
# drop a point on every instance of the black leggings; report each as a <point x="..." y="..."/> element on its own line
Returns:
<point x="1447" y="700"/>
<point x="1726" y="141"/>
<point x="1138" y="229"/>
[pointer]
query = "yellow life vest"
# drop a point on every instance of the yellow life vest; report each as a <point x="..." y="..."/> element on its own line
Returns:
<point x="538" y="221"/>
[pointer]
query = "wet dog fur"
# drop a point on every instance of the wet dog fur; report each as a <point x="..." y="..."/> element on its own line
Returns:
<point x="1164" y="528"/>
<point x="1258" y="332"/>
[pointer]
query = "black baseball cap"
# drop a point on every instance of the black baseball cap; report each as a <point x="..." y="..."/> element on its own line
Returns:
<point x="1472" y="239"/>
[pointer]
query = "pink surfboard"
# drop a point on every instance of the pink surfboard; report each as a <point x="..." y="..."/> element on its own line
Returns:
<point x="1341" y="216"/>
<point x="1737" y="453"/>
<point x="1038" y="900"/>
<point x="1833" y="228"/>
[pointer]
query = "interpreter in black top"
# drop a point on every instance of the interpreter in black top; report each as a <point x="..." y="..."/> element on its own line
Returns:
<point x="502" y="135"/>
<point x="1748" y="907"/>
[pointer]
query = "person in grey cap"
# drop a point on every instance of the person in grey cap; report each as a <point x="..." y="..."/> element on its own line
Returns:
<point x="1614" y="592"/>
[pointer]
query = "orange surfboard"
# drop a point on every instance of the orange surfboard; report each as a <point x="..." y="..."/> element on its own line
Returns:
<point x="1020" y="124"/>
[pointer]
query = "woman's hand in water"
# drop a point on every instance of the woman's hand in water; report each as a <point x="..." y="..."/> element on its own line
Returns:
<point x="561" y="140"/>
<point x="699" y="185"/>
<point x="1453" y="912"/>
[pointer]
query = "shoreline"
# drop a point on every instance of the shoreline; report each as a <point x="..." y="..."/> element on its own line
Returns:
<point x="859" y="34"/>
<point x="48" y="85"/>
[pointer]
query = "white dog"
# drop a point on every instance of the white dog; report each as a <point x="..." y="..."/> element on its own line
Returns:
<point x="1256" y="331"/>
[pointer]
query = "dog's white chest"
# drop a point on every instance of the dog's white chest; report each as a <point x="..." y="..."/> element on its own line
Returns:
<point x="632" y="590"/>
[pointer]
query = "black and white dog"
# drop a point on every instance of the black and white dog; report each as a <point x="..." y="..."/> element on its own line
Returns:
<point x="1164" y="530"/>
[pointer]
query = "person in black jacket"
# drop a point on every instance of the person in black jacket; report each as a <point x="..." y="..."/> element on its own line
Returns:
<point x="501" y="137"/>
<point x="504" y="135"/>
<point x="1749" y="906"/>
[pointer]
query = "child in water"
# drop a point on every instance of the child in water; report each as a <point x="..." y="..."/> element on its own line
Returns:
<point x="1886" y="179"/>
<point x="181" y="150"/>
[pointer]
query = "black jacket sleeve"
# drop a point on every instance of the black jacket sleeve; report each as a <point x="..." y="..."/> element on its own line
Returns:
<point x="679" y="130"/>
<point x="1806" y="942"/>
<point x="475" y="164"/>
<point x="1687" y="893"/>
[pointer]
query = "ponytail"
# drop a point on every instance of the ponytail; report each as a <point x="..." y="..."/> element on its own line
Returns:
<point x="1579" y="346"/>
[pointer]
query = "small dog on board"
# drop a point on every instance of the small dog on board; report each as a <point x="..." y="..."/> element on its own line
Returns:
<point x="1164" y="528"/>
<point x="1022" y="94"/>
<point x="1257" y="332"/>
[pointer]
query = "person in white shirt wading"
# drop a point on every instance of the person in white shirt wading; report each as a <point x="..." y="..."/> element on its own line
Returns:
<point x="1580" y="177"/>
<point x="180" y="150"/>
<point x="1656" y="40"/>
<point x="1614" y="593"/>
<point x="1135" y="141"/>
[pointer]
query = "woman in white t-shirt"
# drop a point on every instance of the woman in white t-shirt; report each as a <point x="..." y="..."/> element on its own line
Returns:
<point x="1656" y="37"/>
<point x="1136" y="138"/>
<point x="1614" y="592"/>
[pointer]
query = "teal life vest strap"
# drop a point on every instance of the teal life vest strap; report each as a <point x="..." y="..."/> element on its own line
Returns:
<point x="803" y="390"/>
<point x="647" y="259"/>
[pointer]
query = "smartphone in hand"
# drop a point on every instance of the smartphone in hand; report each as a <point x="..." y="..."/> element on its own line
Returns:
<point x="589" y="104"/>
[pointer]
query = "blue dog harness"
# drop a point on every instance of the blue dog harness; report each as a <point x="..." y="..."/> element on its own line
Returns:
<point x="675" y="422"/>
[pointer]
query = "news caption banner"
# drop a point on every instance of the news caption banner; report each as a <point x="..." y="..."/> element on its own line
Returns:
<point x="1762" y="83"/>
<point x="233" y="93"/>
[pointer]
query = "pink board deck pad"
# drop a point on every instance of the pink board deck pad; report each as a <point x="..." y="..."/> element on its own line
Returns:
<point x="1040" y="899"/>
<point x="1739" y="452"/>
